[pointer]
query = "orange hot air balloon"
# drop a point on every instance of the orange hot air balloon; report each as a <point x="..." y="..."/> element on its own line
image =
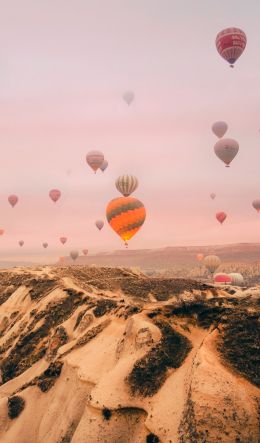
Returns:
<point x="54" y="195"/>
<point x="200" y="257"/>
<point x="63" y="240"/>
<point x="85" y="251"/>
<point x="221" y="216"/>
<point x="126" y="215"/>
<point x="2" y="231"/>
<point x="13" y="200"/>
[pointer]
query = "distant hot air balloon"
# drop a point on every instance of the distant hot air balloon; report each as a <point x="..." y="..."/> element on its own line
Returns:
<point x="21" y="243"/>
<point x="128" y="97"/>
<point x="45" y="245"/>
<point x="74" y="255"/>
<point x="2" y="231"/>
<point x="236" y="279"/>
<point x="13" y="200"/>
<point x="199" y="257"/>
<point x="126" y="215"/>
<point x="226" y="149"/>
<point x="256" y="205"/>
<point x="222" y="278"/>
<point x="212" y="195"/>
<point x="63" y="240"/>
<point x="230" y="44"/>
<point x="126" y="184"/>
<point x="85" y="251"/>
<point x="99" y="224"/>
<point x="211" y="262"/>
<point x="219" y="128"/>
<point x="54" y="195"/>
<point x="221" y="217"/>
<point x="95" y="159"/>
<point x="104" y="165"/>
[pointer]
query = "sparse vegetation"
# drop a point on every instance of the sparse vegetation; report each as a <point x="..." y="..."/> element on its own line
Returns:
<point x="16" y="405"/>
<point x="104" y="306"/>
<point x="106" y="413"/>
<point x="48" y="378"/>
<point x="152" y="438"/>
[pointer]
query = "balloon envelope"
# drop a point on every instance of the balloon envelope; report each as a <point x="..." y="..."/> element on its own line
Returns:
<point x="21" y="243"/>
<point x="222" y="278"/>
<point x="226" y="149"/>
<point x="212" y="196"/>
<point x="230" y="44"/>
<point x="63" y="240"/>
<point x="211" y="262"/>
<point x="128" y="97"/>
<point x="221" y="217"/>
<point x="45" y="245"/>
<point x="85" y="251"/>
<point x="104" y="165"/>
<point x="95" y="159"/>
<point x="74" y="255"/>
<point x="13" y="200"/>
<point x="54" y="195"/>
<point x="99" y="224"/>
<point x="200" y="257"/>
<point x="2" y="231"/>
<point x="237" y="279"/>
<point x="126" y="184"/>
<point x="256" y="205"/>
<point x="219" y="129"/>
<point x="126" y="215"/>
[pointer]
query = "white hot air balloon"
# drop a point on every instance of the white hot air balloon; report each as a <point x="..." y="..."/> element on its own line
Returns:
<point x="95" y="159"/>
<point x="237" y="279"/>
<point x="226" y="149"/>
<point x="74" y="255"/>
<point x="211" y="262"/>
<point x="219" y="129"/>
<point x="128" y="97"/>
<point x="126" y="184"/>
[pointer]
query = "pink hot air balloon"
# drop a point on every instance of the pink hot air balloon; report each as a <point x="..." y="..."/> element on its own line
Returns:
<point x="2" y="231"/>
<point x="13" y="200"/>
<point x="222" y="278"/>
<point x="104" y="165"/>
<point x="85" y="251"/>
<point x="45" y="245"/>
<point x="221" y="216"/>
<point x="54" y="195"/>
<point x="21" y="243"/>
<point x="99" y="224"/>
<point x="256" y="205"/>
<point x="212" y="195"/>
<point x="95" y="159"/>
<point x="63" y="240"/>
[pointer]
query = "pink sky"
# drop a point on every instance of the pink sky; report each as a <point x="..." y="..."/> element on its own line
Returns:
<point x="64" y="67"/>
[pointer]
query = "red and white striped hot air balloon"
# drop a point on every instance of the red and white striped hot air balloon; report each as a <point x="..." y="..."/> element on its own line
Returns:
<point x="63" y="240"/>
<point x="221" y="217"/>
<point x="230" y="44"/>
<point x="13" y="200"/>
<point x="54" y="195"/>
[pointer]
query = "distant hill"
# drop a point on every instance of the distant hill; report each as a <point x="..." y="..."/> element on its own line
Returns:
<point x="171" y="256"/>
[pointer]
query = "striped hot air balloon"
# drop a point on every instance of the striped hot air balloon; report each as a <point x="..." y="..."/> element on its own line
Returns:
<point x="126" y="215"/>
<point x="126" y="184"/>
<point x="95" y="160"/>
<point x="230" y="44"/>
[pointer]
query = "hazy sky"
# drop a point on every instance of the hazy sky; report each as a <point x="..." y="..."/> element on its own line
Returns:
<point x="64" y="66"/>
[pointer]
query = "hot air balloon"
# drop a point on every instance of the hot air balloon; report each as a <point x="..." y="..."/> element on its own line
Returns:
<point x="126" y="184"/>
<point x="211" y="262"/>
<point x="222" y="278"/>
<point x="226" y="149"/>
<point x="21" y="243"/>
<point x="104" y="165"/>
<point x="256" y="205"/>
<point x="45" y="245"/>
<point x="85" y="251"/>
<point x="95" y="159"/>
<point x="99" y="224"/>
<point x="128" y="97"/>
<point x="199" y="257"/>
<point x="2" y="231"/>
<point x="219" y="128"/>
<point x="221" y="217"/>
<point x="63" y="240"/>
<point x="236" y="279"/>
<point x="212" y="195"/>
<point x="13" y="200"/>
<point x="230" y="44"/>
<point x="126" y="215"/>
<point x="54" y="195"/>
<point x="74" y="255"/>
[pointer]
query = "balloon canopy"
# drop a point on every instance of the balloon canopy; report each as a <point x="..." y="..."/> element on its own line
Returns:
<point x="230" y="44"/>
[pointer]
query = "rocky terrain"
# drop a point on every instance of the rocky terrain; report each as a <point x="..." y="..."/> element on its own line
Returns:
<point x="109" y="355"/>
